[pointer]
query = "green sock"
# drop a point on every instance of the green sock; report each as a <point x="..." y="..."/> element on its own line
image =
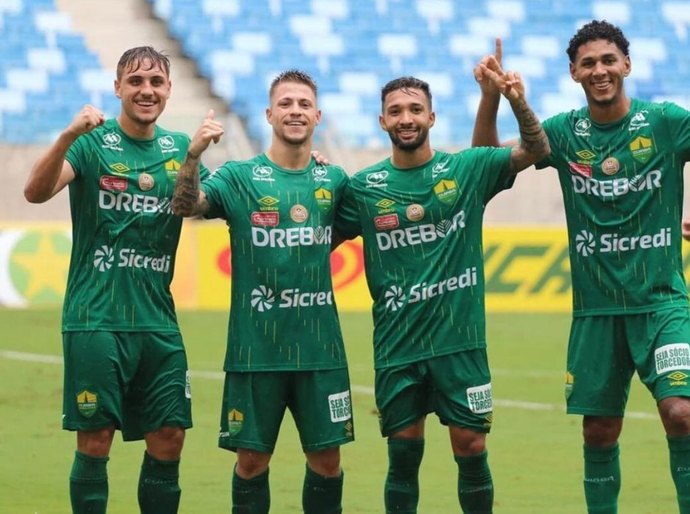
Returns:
<point x="159" y="486"/>
<point x="679" y="450"/>
<point x="602" y="479"/>
<point x="322" y="495"/>
<point x="401" y="493"/>
<point x="88" y="484"/>
<point x="475" y="486"/>
<point x="251" y="496"/>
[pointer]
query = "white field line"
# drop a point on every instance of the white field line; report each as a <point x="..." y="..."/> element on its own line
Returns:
<point x="360" y="389"/>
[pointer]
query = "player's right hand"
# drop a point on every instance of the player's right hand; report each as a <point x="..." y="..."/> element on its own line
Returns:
<point x="493" y="61"/>
<point x="210" y="130"/>
<point x="86" y="120"/>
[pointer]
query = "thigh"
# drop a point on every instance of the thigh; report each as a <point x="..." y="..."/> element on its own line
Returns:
<point x="599" y="367"/>
<point x="253" y="407"/>
<point x="97" y="373"/>
<point x="660" y="346"/>
<point x="321" y="406"/>
<point x="462" y="389"/>
<point x="403" y="396"/>
<point x="160" y="392"/>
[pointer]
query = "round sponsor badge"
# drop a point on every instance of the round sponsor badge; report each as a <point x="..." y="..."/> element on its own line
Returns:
<point x="610" y="166"/>
<point x="414" y="212"/>
<point x="298" y="213"/>
<point x="145" y="182"/>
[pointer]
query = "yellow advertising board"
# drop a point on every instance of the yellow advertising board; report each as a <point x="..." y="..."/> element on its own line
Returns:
<point x="526" y="268"/>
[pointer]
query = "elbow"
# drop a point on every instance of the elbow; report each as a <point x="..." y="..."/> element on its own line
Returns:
<point x="33" y="196"/>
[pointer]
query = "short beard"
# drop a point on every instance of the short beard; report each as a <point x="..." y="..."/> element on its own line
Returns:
<point x="408" y="147"/>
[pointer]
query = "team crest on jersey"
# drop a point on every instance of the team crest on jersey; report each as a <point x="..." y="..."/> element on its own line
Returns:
<point x="584" y="170"/>
<point x="87" y="403"/>
<point x="446" y="190"/>
<point x="386" y="222"/>
<point x="414" y="212"/>
<point x="582" y="127"/>
<point x="299" y="213"/>
<point x="171" y="168"/>
<point x="324" y="199"/>
<point x="642" y="149"/>
<point x="610" y="166"/>
<point x="235" y="422"/>
<point x="112" y="141"/>
<point x="638" y="121"/>
<point x="110" y="183"/>
<point x="167" y="144"/>
<point x="266" y="219"/>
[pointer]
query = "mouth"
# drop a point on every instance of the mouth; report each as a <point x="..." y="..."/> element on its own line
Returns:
<point x="603" y="85"/>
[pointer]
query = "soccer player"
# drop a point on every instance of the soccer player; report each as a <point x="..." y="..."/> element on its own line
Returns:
<point x="420" y="215"/>
<point x="284" y="347"/>
<point x="125" y="363"/>
<point x="620" y="163"/>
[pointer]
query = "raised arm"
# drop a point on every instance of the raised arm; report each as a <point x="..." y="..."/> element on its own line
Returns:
<point x="533" y="145"/>
<point x="188" y="198"/>
<point x="51" y="172"/>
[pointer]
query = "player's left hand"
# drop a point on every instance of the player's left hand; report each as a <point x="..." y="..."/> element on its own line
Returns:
<point x="319" y="158"/>
<point x="509" y="83"/>
<point x="487" y="86"/>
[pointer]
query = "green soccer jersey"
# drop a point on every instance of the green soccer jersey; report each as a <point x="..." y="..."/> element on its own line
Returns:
<point x="422" y="232"/>
<point x="124" y="234"/>
<point x="282" y="312"/>
<point x="622" y="187"/>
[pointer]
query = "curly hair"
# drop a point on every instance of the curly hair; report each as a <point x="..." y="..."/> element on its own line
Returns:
<point x="597" y="29"/>
<point x="405" y="83"/>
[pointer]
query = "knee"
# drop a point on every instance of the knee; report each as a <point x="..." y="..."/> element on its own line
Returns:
<point x="675" y="415"/>
<point x="601" y="432"/>
<point x="325" y="463"/>
<point x="165" y="443"/>
<point x="251" y="463"/>
<point x="467" y="442"/>
<point x="95" y="443"/>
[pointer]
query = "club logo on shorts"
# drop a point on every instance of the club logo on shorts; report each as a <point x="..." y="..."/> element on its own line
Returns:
<point x="299" y="213"/>
<point x="87" y="403"/>
<point x="146" y="182"/>
<point x="569" y="381"/>
<point x="479" y="399"/>
<point x="187" y="385"/>
<point x="235" y="422"/>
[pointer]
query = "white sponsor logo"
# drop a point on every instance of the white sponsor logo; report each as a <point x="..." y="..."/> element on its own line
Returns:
<point x="638" y="121"/>
<point x="167" y="144"/>
<point x="582" y="127"/>
<point x="395" y="297"/>
<point x="263" y="298"/>
<point x="263" y="173"/>
<point x="671" y="357"/>
<point x="479" y="399"/>
<point x="104" y="259"/>
<point x="585" y="243"/>
<point x="339" y="405"/>
<point x="187" y="385"/>
<point x="295" y="236"/>
<point x="112" y="141"/>
<point x="439" y="167"/>
<point x="617" y="186"/>
<point x="419" y="234"/>
<point x="377" y="179"/>
<point x="320" y="174"/>
<point x="129" y="202"/>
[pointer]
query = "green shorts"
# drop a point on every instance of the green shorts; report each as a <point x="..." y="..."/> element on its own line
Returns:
<point x="137" y="382"/>
<point x="605" y="351"/>
<point x="457" y="387"/>
<point x="254" y="404"/>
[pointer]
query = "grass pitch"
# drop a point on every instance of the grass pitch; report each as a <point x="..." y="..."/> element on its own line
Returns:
<point x="534" y="448"/>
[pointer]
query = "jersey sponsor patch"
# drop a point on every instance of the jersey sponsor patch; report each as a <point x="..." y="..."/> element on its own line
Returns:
<point x="146" y="182"/>
<point x="110" y="183"/>
<point x="340" y="406"/>
<point x="479" y="399"/>
<point x="672" y="357"/>
<point x="386" y="222"/>
<point x="414" y="212"/>
<point x="580" y="169"/>
<point x="266" y="219"/>
<point x="299" y="213"/>
<point x="610" y="166"/>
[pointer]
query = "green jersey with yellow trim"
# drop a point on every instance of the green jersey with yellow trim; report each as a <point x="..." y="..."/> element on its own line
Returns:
<point x="422" y="233"/>
<point x="282" y="312"/>
<point x="622" y="187"/>
<point x="124" y="234"/>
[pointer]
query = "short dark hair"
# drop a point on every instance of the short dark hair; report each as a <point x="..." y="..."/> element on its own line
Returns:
<point x="133" y="59"/>
<point x="294" y="75"/>
<point x="597" y="29"/>
<point x="405" y="83"/>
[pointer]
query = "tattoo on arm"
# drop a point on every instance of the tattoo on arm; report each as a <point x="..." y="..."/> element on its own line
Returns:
<point x="533" y="140"/>
<point x="187" y="199"/>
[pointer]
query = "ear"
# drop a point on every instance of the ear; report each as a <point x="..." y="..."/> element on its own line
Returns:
<point x="432" y="119"/>
<point x="382" y="123"/>
<point x="318" y="116"/>
<point x="269" y="114"/>
<point x="628" y="66"/>
<point x="116" y="88"/>
<point x="572" y="72"/>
